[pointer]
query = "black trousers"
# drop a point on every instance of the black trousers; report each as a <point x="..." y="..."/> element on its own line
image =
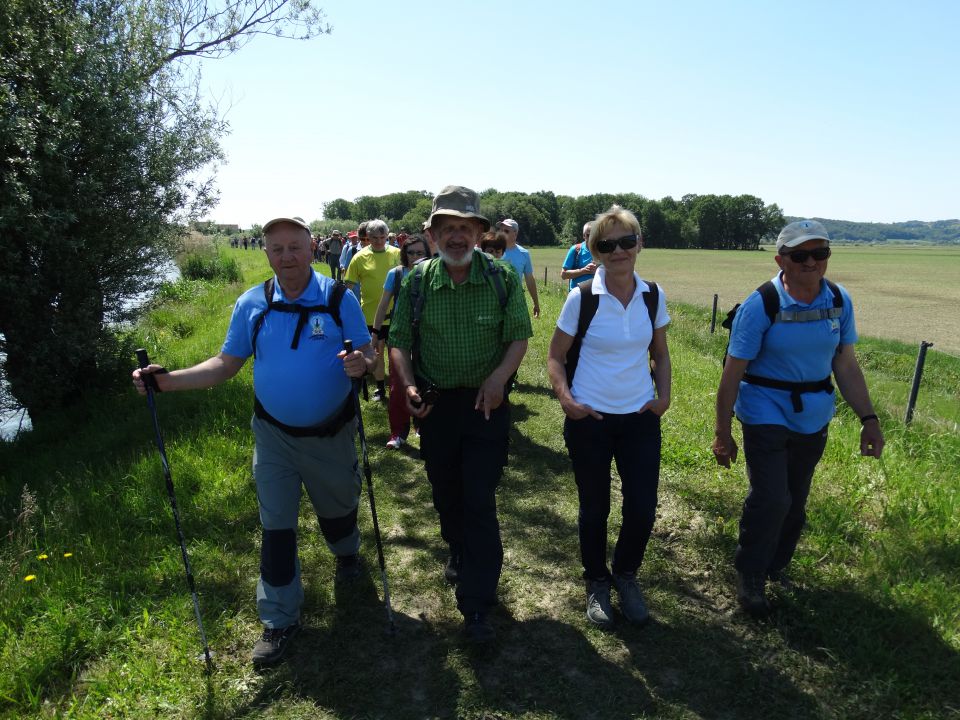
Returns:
<point x="780" y="465"/>
<point x="464" y="455"/>
<point x="632" y="441"/>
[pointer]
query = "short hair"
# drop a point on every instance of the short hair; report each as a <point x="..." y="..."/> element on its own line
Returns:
<point x="614" y="216"/>
<point x="587" y="228"/>
<point x="493" y="241"/>
<point x="362" y="229"/>
<point x="376" y="227"/>
<point x="412" y="240"/>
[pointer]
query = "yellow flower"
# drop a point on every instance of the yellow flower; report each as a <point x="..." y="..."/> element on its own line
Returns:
<point x="30" y="578"/>
<point x="42" y="556"/>
<point x="68" y="554"/>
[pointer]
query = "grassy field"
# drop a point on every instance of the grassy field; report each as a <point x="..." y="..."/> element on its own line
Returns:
<point x="108" y="631"/>
<point x="900" y="293"/>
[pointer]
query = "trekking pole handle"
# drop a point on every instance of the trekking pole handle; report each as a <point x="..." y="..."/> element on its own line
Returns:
<point x="148" y="380"/>
<point x="348" y="346"/>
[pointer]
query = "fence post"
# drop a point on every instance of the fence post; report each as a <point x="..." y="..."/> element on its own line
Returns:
<point x="544" y="274"/>
<point x="917" y="374"/>
<point x="713" y="319"/>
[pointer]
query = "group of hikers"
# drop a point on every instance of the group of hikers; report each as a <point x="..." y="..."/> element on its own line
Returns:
<point x="454" y="321"/>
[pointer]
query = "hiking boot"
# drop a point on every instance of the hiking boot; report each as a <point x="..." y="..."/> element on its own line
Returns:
<point x="380" y="396"/>
<point x="395" y="442"/>
<point x="348" y="567"/>
<point x="273" y="644"/>
<point x="451" y="570"/>
<point x="751" y="594"/>
<point x="599" y="611"/>
<point x="632" y="605"/>
<point x="477" y="628"/>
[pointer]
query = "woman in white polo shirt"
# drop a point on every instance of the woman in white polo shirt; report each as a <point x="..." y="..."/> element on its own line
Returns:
<point x="613" y="406"/>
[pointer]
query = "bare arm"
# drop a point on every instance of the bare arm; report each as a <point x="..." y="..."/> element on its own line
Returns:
<point x="560" y="345"/>
<point x="578" y="272"/>
<point x="662" y="372"/>
<point x="212" y="371"/>
<point x="382" y="308"/>
<point x="401" y="362"/>
<point x="853" y="387"/>
<point x="491" y="392"/>
<point x="532" y="289"/>
<point x="724" y="446"/>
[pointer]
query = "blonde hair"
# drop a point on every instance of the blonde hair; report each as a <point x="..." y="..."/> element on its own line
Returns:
<point x="615" y="215"/>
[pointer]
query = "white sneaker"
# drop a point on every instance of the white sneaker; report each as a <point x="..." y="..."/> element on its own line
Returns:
<point x="395" y="442"/>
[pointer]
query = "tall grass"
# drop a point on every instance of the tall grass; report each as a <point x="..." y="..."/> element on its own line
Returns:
<point x="873" y="631"/>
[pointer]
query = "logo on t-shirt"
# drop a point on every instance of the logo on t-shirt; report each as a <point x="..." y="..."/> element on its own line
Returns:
<point x="316" y="328"/>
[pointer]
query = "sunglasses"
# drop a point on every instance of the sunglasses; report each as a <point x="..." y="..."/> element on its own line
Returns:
<point x="608" y="246"/>
<point x="800" y="256"/>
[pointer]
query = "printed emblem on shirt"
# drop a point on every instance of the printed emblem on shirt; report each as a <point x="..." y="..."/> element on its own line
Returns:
<point x="316" y="328"/>
<point x="834" y="325"/>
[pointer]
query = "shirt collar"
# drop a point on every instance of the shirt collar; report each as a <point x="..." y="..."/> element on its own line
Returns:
<point x="599" y="283"/>
<point x="310" y="294"/>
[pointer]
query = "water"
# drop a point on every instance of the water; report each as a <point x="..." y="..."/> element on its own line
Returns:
<point x="17" y="421"/>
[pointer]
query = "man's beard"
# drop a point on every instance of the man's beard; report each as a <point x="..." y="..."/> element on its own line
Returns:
<point x="456" y="262"/>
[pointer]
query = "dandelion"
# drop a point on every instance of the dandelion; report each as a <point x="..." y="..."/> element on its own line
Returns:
<point x="30" y="578"/>
<point x="68" y="554"/>
<point x="42" y="556"/>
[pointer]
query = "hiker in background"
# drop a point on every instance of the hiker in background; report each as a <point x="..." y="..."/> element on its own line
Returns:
<point x="786" y="339"/>
<point x="519" y="257"/>
<point x="460" y="329"/>
<point x="579" y="266"/>
<point x="494" y="244"/>
<point x="599" y="371"/>
<point x="334" y="248"/>
<point x="366" y="273"/>
<point x="414" y="250"/>
<point x="303" y="424"/>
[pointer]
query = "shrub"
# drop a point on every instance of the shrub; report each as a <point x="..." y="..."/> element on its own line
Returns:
<point x="209" y="266"/>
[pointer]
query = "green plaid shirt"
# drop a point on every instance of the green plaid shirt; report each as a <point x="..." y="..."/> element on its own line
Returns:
<point x="463" y="331"/>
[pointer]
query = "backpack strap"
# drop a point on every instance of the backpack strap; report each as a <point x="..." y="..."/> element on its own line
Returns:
<point x="397" y="279"/>
<point x="332" y="308"/>
<point x="495" y="275"/>
<point x="589" y="302"/>
<point x="416" y="304"/>
<point x="651" y="299"/>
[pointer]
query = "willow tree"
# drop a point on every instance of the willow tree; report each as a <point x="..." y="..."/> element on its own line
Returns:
<point x="105" y="154"/>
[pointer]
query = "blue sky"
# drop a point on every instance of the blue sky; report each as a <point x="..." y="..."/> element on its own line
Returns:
<point x="838" y="109"/>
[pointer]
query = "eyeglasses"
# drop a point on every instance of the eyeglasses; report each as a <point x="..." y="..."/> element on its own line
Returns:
<point x="800" y="256"/>
<point x="416" y="253"/>
<point x="626" y="242"/>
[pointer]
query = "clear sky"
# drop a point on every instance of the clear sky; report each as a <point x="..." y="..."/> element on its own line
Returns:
<point x="839" y="109"/>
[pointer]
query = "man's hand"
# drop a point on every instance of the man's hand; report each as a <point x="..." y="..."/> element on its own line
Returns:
<point x="415" y="404"/>
<point x="489" y="397"/>
<point x="871" y="439"/>
<point x="139" y="381"/>
<point x="724" y="448"/>
<point x="354" y="364"/>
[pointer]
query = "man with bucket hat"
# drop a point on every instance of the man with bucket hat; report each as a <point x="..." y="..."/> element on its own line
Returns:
<point x="459" y="331"/>
<point x="786" y="341"/>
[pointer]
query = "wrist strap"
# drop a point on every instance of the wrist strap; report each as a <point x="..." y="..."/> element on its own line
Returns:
<point x="865" y="418"/>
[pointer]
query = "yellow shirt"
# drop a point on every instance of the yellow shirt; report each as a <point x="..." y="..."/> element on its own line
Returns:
<point x="369" y="269"/>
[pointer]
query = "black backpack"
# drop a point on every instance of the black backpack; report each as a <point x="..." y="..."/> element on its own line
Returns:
<point x="332" y="309"/>
<point x="588" y="308"/>
<point x="771" y="306"/>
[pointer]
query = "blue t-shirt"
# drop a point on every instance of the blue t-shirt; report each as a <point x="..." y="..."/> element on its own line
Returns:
<point x="792" y="351"/>
<point x="301" y="387"/>
<point x="519" y="257"/>
<point x="576" y="259"/>
<point x="390" y="284"/>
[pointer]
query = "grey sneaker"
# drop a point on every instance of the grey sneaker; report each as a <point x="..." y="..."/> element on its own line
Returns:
<point x="273" y="644"/>
<point x="752" y="594"/>
<point x="348" y="567"/>
<point x="477" y="628"/>
<point x="599" y="611"/>
<point x="631" y="599"/>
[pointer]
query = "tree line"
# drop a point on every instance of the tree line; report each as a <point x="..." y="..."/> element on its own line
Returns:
<point x="722" y="222"/>
<point x="939" y="232"/>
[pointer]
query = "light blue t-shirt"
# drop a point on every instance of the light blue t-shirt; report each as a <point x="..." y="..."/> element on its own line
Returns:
<point x="301" y="387"/>
<point x="576" y="259"/>
<point x="390" y="284"/>
<point x="519" y="257"/>
<point x="791" y="351"/>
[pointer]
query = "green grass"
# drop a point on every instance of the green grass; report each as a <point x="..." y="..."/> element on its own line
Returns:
<point x="874" y="630"/>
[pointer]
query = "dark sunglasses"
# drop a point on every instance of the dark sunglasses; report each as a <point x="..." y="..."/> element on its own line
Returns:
<point x="800" y="256"/>
<point x="608" y="246"/>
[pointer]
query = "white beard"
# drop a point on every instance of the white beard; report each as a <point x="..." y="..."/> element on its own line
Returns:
<point x="456" y="262"/>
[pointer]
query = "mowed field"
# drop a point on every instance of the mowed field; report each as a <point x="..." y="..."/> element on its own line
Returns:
<point x="900" y="293"/>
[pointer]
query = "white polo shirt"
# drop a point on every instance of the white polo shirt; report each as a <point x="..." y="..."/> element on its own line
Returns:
<point x="613" y="374"/>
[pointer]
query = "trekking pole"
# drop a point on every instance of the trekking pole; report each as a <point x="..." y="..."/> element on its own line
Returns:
<point x="391" y="626"/>
<point x="150" y="383"/>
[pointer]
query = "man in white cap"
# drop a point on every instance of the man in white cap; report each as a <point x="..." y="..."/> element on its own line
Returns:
<point x="459" y="331"/>
<point x="786" y="340"/>
<point x="519" y="257"/>
<point x="294" y="325"/>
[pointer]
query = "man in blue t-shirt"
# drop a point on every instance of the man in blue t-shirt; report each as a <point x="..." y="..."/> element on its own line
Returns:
<point x="777" y="379"/>
<point x="303" y="422"/>
<point x="579" y="266"/>
<point x="519" y="257"/>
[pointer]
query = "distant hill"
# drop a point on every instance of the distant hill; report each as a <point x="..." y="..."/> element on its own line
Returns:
<point x="938" y="232"/>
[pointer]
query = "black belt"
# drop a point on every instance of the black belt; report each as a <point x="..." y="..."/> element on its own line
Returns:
<point x="331" y="426"/>
<point x="795" y="388"/>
